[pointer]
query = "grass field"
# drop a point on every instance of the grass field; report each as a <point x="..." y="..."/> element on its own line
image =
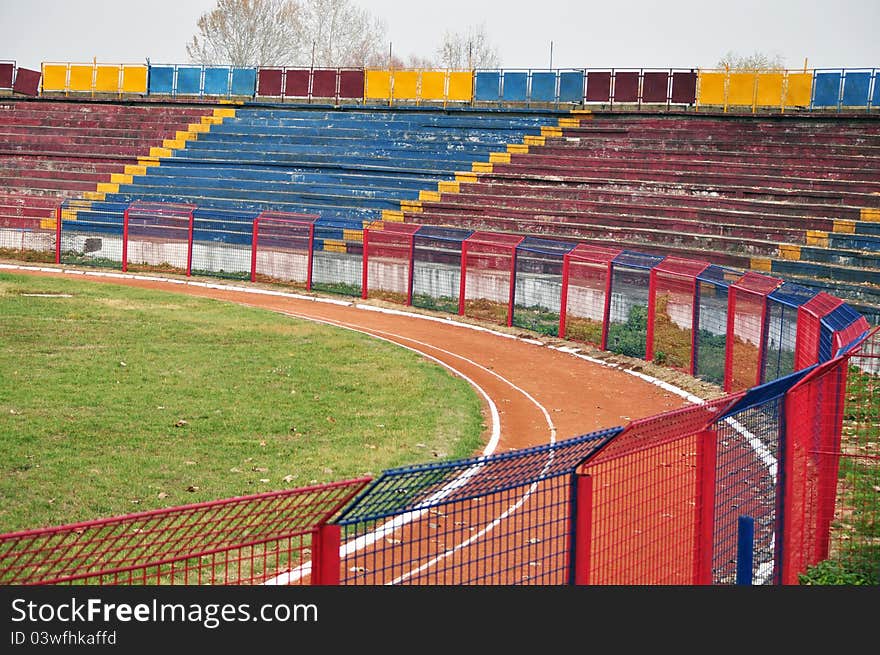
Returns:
<point x="117" y="400"/>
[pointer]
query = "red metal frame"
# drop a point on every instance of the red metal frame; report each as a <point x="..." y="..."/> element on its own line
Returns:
<point x="58" y="235"/>
<point x="680" y="268"/>
<point x="502" y="241"/>
<point x="707" y="456"/>
<point x="755" y="285"/>
<point x="157" y="208"/>
<point x="284" y="218"/>
<point x="392" y="236"/>
<point x="809" y="328"/>
<point x="583" y="533"/>
<point x="591" y="255"/>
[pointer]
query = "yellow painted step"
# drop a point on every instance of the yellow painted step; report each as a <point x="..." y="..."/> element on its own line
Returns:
<point x="517" y="148"/>
<point x="147" y="162"/>
<point x="447" y="187"/>
<point x="353" y="235"/>
<point x="107" y="187"/>
<point x="224" y="112"/>
<point x="531" y="140"/>
<point x="211" y="120"/>
<point x="94" y="195"/>
<point x="817" y="238"/>
<point x="549" y="130"/>
<point x="48" y="224"/>
<point x="410" y="206"/>
<point x="173" y="144"/>
<point x="131" y="169"/>
<point x="499" y="157"/>
<point x="870" y="214"/>
<point x="198" y="128"/>
<point x="481" y="167"/>
<point x="392" y="216"/>
<point x="844" y="226"/>
<point x="429" y="196"/>
<point x="465" y="177"/>
<point x="334" y="245"/>
<point x="789" y="251"/>
<point x="159" y="152"/>
<point x="185" y="135"/>
<point x="760" y="264"/>
<point x="569" y="122"/>
<point x="120" y="178"/>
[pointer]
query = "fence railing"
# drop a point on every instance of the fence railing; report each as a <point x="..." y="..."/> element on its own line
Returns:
<point x="19" y="80"/>
<point x="842" y="89"/>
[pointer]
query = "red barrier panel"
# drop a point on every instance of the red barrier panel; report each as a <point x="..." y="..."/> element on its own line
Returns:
<point x="598" y="86"/>
<point x="270" y="82"/>
<point x="809" y="328"/>
<point x="351" y="84"/>
<point x="157" y="236"/>
<point x="684" y="88"/>
<point x="626" y="86"/>
<point x="281" y="248"/>
<point x="296" y="83"/>
<point x="27" y="82"/>
<point x="488" y="273"/>
<point x="6" y="74"/>
<point x="388" y="261"/>
<point x="655" y="87"/>
<point x="324" y="83"/>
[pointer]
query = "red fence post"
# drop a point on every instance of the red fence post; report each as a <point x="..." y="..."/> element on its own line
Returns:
<point x="511" y="297"/>
<point x="58" y="234"/>
<point x="364" y="263"/>
<point x="704" y="532"/>
<point x="728" y="352"/>
<point x="325" y="555"/>
<point x="583" y="529"/>
<point x="652" y="307"/>
<point x="411" y="272"/>
<point x="189" y="245"/>
<point x="254" y="249"/>
<point x="563" y="297"/>
<point x="606" y="318"/>
<point x="311" y="256"/>
<point x="462" y="283"/>
<point x="125" y="240"/>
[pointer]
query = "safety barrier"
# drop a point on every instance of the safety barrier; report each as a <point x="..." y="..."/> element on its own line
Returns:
<point x="819" y="89"/>
<point x="19" y="80"/>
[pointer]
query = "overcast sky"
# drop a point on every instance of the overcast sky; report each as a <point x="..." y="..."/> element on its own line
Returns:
<point x="601" y="33"/>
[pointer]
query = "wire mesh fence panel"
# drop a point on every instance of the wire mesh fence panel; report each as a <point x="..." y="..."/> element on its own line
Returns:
<point x="245" y="540"/>
<point x="282" y="248"/>
<point x="91" y="233"/>
<point x="158" y="237"/>
<point x="538" y="284"/>
<point x="502" y="519"/>
<point x="746" y="330"/>
<point x="628" y="313"/>
<point x="647" y="506"/>
<point x="388" y="252"/>
<point x="809" y="333"/>
<point x="222" y="243"/>
<point x="585" y="293"/>
<point x="337" y="257"/>
<point x="712" y="305"/>
<point x="674" y="308"/>
<point x="782" y="327"/>
<point x="436" y="280"/>
<point x="28" y="225"/>
<point x="489" y="261"/>
<point x="814" y="415"/>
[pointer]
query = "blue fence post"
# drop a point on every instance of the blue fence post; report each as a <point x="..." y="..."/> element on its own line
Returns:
<point x="745" y="550"/>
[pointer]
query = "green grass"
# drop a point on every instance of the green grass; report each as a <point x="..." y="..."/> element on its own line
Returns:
<point x="120" y="400"/>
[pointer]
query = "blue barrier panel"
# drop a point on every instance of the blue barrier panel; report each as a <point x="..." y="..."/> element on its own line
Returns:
<point x="487" y="86"/>
<point x="189" y="80"/>
<point x="216" y="82"/>
<point x="571" y="86"/>
<point x="515" y="87"/>
<point x="244" y="81"/>
<point x="826" y="90"/>
<point x="161" y="80"/>
<point x="855" y="89"/>
<point x="543" y="87"/>
<point x="875" y="98"/>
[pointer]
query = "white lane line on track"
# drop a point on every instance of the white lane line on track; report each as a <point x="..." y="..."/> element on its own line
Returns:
<point x="399" y="521"/>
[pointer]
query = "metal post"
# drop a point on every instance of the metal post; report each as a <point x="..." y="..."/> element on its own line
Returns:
<point x="745" y="550"/>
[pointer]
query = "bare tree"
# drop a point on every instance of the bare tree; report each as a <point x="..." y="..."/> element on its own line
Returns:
<point x="468" y="50"/>
<point x="339" y="33"/>
<point x="755" y="61"/>
<point x="286" y="32"/>
<point x="248" y="33"/>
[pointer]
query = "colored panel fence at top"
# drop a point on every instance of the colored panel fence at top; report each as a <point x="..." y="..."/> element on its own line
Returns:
<point x="81" y="78"/>
<point x="712" y="89"/>
<point x="826" y="89"/>
<point x="856" y="89"/>
<point x="54" y="77"/>
<point x="543" y="87"/>
<point x="769" y="89"/>
<point x="7" y="72"/>
<point x="27" y="82"/>
<point x="243" y="82"/>
<point x="538" y="284"/>
<point x="405" y="85"/>
<point x="134" y="79"/>
<point x="571" y="86"/>
<point x="515" y="87"/>
<point x="270" y="538"/>
<point x="798" y="88"/>
<point x="216" y="81"/>
<point x="684" y="88"/>
<point x="626" y="86"/>
<point x="189" y="81"/>
<point x="161" y="81"/>
<point x="502" y="519"/>
<point x="487" y="86"/>
<point x="377" y="85"/>
<point x="107" y="79"/>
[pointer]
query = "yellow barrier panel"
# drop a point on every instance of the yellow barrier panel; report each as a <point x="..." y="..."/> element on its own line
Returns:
<point x="107" y="79"/>
<point x="134" y="79"/>
<point x="798" y="92"/>
<point x="377" y="85"/>
<point x="54" y="77"/>
<point x="81" y="77"/>
<point x="769" y="90"/>
<point x="712" y="89"/>
<point x="433" y="85"/>
<point x="741" y="89"/>
<point x="406" y="85"/>
<point x="461" y="86"/>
